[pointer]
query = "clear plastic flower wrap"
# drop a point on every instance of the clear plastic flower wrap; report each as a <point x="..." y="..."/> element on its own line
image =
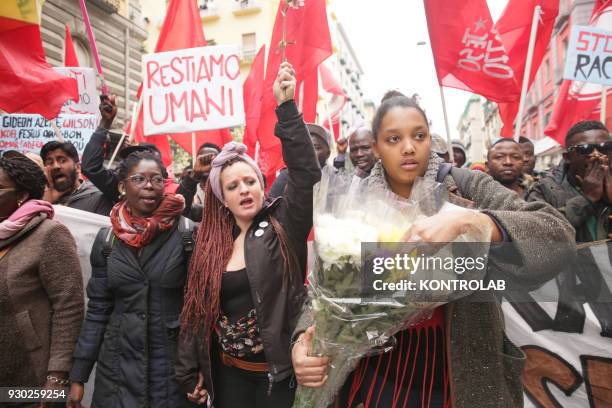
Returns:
<point x="352" y="319"/>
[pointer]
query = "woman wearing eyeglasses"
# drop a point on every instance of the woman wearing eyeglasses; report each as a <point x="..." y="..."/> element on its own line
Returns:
<point x="581" y="186"/>
<point x="139" y="267"/>
<point x="41" y="287"/>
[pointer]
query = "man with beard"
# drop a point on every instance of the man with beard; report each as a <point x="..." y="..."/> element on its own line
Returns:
<point x="361" y="151"/>
<point x="505" y="164"/>
<point x="63" y="171"/>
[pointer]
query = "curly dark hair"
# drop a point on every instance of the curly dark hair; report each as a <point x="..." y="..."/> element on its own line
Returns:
<point x="392" y="102"/>
<point x="581" y="127"/>
<point x="133" y="159"/>
<point x="25" y="174"/>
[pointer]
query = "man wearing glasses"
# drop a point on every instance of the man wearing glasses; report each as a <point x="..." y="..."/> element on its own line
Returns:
<point x="581" y="186"/>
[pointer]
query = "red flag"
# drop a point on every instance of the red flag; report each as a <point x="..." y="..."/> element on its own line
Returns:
<point x="29" y="83"/>
<point x="579" y="101"/>
<point x="337" y="102"/>
<point x="309" y="44"/>
<point x="182" y="28"/>
<point x="472" y="54"/>
<point x="252" y="91"/>
<point x="514" y="28"/>
<point x="468" y="51"/>
<point x="70" y="57"/>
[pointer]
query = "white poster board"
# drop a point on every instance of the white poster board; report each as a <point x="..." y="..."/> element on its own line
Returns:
<point x="192" y="89"/>
<point x="589" y="55"/>
<point x="29" y="132"/>
<point x="88" y="96"/>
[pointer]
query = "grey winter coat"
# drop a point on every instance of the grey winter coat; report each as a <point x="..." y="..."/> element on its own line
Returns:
<point x="132" y="322"/>
<point x="484" y="366"/>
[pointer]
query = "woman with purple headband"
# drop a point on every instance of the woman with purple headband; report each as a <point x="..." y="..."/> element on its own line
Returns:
<point x="246" y="282"/>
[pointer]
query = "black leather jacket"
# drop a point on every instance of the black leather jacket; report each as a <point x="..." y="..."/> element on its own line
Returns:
<point x="278" y="300"/>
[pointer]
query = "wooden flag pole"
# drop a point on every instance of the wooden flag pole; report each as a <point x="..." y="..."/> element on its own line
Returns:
<point x="532" y="39"/>
<point x="135" y="114"/>
<point x="604" y="104"/>
<point x="451" y="154"/>
<point x="193" y="149"/>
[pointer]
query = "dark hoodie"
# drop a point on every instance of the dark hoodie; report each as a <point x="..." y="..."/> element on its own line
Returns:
<point x="87" y="198"/>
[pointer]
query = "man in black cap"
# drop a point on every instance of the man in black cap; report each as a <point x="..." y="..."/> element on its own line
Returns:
<point x="321" y="140"/>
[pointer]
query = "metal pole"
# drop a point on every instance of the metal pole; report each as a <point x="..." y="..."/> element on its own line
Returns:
<point x="451" y="155"/>
<point x="532" y="38"/>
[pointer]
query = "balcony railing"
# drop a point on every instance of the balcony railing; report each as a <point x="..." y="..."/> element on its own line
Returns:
<point x="247" y="55"/>
<point x="209" y="12"/>
<point x="245" y="7"/>
<point x="110" y="6"/>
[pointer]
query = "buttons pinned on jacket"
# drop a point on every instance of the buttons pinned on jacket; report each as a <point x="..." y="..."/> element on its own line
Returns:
<point x="263" y="224"/>
<point x="259" y="233"/>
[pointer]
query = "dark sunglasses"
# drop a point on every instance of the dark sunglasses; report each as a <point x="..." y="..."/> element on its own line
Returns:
<point x="587" y="148"/>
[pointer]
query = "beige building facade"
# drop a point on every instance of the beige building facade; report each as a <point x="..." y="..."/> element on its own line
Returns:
<point x="119" y="31"/>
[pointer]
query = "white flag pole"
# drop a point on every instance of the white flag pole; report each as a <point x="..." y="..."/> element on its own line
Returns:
<point x="451" y="154"/>
<point x="532" y="38"/>
<point x="135" y="114"/>
<point x="604" y="103"/>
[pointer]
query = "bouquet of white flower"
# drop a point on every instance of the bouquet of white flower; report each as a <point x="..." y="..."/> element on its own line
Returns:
<point x="351" y="317"/>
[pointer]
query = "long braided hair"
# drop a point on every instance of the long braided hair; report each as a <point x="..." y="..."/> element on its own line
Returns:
<point x="213" y="250"/>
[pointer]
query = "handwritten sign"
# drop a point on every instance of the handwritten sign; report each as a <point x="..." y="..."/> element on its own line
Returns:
<point x="88" y="97"/>
<point x="192" y="89"/>
<point x="589" y="55"/>
<point x="28" y="133"/>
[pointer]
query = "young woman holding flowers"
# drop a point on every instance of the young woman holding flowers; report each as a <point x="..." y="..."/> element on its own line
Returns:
<point x="460" y="357"/>
<point x="246" y="284"/>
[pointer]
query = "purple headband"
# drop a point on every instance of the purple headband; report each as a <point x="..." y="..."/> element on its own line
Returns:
<point x="230" y="151"/>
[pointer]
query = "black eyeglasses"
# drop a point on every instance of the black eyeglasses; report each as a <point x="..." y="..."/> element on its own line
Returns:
<point x="587" y="148"/>
<point x="141" y="181"/>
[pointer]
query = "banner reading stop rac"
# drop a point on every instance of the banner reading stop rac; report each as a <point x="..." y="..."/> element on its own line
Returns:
<point x="192" y="89"/>
<point x="589" y="55"/>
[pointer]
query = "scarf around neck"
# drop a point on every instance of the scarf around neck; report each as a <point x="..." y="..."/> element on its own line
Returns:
<point x="23" y="215"/>
<point x="138" y="232"/>
<point x="378" y="178"/>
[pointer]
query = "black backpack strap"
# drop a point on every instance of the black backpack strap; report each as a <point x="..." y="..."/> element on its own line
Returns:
<point x="109" y="240"/>
<point x="186" y="228"/>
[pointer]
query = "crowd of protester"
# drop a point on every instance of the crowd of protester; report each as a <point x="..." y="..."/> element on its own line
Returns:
<point x="197" y="294"/>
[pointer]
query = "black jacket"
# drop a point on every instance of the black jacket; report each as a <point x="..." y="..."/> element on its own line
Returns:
<point x="277" y="299"/>
<point x="558" y="189"/>
<point x="87" y="198"/>
<point x="132" y="322"/>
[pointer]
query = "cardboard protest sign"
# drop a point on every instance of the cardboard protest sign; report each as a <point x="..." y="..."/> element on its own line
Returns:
<point x="28" y="132"/>
<point x="88" y="97"/>
<point x="192" y="89"/>
<point x="589" y="55"/>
